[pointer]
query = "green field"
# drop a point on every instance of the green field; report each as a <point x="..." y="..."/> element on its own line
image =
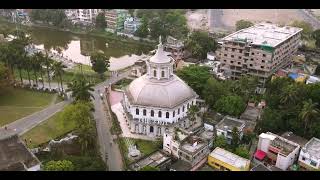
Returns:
<point x="18" y="103"/>
<point x="52" y="128"/>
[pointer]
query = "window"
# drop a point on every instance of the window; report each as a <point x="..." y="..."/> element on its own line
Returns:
<point x="144" y="112"/>
<point x="137" y="111"/>
<point x="303" y="158"/>
<point x="239" y="63"/>
<point x="154" y="73"/>
<point x="233" y="49"/>
<point x="252" y="53"/>
<point x="240" y="50"/>
<point x="192" y="103"/>
<point x="167" y="114"/>
<point x="182" y="108"/>
<point x="264" y="55"/>
<point x="226" y="49"/>
<point x="225" y="60"/>
<point x="231" y="61"/>
<point x="232" y="56"/>
<point x="240" y="57"/>
<point x="188" y="105"/>
<point x="159" y="114"/>
<point x="225" y="55"/>
<point x="162" y="74"/>
<point x="174" y="114"/>
<point x="179" y="111"/>
<point x="262" y="67"/>
<point x="263" y="61"/>
<point x="250" y="65"/>
<point x="152" y="113"/>
<point x="251" y="59"/>
<point x="313" y="163"/>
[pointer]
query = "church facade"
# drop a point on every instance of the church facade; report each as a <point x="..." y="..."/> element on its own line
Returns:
<point x="159" y="100"/>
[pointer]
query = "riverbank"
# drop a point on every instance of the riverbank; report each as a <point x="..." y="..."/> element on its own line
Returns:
<point x="78" y="31"/>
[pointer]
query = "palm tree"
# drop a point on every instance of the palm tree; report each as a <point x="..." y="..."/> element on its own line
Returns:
<point x="58" y="69"/>
<point x="290" y="95"/>
<point x="27" y="66"/>
<point x="36" y="65"/>
<point x="80" y="89"/>
<point x="41" y="61"/>
<point x="48" y="63"/>
<point x="192" y="113"/>
<point x="308" y="113"/>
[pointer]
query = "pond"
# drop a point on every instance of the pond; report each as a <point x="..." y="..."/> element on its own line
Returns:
<point x="78" y="47"/>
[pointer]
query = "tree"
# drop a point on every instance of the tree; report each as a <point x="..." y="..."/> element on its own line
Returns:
<point x="63" y="165"/>
<point x="309" y="113"/>
<point x="242" y="151"/>
<point x="200" y="43"/>
<point x="142" y="31"/>
<point x="149" y="168"/>
<point x="235" y="138"/>
<point x="307" y="28"/>
<point x="271" y="120"/>
<point x="39" y="62"/>
<point x="157" y="28"/>
<point x="80" y="89"/>
<point x="213" y="91"/>
<point x="242" y="24"/>
<point x="195" y="76"/>
<point x="101" y="21"/>
<point x="100" y="63"/>
<point x="220" y="141"/>
<point x="58" y="69"/>
<point x="230" y="105"/>
<point x="192" y="111"/>
<point x="48" y="63"/>
<point x="4" y="76"/>
<point x="316" y="36"/>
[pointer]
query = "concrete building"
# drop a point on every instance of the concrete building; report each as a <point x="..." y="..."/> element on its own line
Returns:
<point x="279" y="151"/>
<point x="131" y="25"/>
<point x="115" y="19"/>
<point x="82" y="16"/>
<point x="226" y="125"/>
<point x="189" y="148"/>
<point x="14" y="155"/>
<point x="259" y="50"/>
<point x="139" y="67"/>
<point x="176" y="49"/>
<point x="309" y="157"/>
<point x="158" y="100"/>
<point x="157" y="159"/>
<point x="226" y="161"/>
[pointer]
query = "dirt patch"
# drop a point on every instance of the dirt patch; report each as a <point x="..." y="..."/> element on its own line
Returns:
<point x="198" y="19"/>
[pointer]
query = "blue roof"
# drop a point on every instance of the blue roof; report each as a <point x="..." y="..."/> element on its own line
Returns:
<point x="293" y="75"/>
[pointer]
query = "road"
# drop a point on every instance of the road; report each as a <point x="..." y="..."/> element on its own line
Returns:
<point x="104" y="123"/>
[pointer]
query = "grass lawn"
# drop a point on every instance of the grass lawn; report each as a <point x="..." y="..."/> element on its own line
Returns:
<point x="145" y="147"/>
<point x="17" y="103"/>
<point x="52" y="128"/>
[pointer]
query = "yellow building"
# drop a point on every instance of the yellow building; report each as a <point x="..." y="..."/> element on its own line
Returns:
<point x="226" y="161"/>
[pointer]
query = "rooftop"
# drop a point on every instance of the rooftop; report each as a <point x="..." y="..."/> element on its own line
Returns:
<point x="251" y="113"/>
<point x="228" y="123"/>
<point x="13" y="153"/>
<point x="283" y="145"/>
<point x="294" y="138"/>
<point x="229" y="158"/>
<point x="193" y="144"/>
<point x="265" y="34"/>
<point x="313" y="148"/>
<point x="154" y="160"/>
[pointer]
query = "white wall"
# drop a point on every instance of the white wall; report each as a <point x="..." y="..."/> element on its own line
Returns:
<point x="308" y="159"/>
<point x="285" y="162"/>
<point x="263" y="144"/>
<point x="34" y="168"/>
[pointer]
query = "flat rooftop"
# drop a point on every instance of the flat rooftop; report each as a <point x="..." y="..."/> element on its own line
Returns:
<point x="284" y="145"/>
<point x="193" y="144"/>
<point x="313" y="147"/>
<point x="229" y="158"/>
<point x="294" y="138"/>
<point x="153" y="160"/>
<point x="14" y="155"/>
<point x="228" y="123"/>
<point x="266" y="34"/>
<point x="251" y="113"/>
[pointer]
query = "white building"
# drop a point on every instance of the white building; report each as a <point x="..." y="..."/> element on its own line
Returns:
<point x="189" y="148"/>
<point x="309" y="157"/>
<point x="158" y="100"/>
<point x="226" y="125"/>
<point x="313" y="79"/>
<point x="282" y="152"/>
<point x="131" y="25"/>
<point x="82" y="16"/>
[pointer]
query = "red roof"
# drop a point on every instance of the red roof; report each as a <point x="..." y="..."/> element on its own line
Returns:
<point x="260" y="155"/>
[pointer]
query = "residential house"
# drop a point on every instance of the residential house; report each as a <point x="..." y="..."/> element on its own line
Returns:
<point x="131" y="25"/>
<point x="309" y="157"/>
<point x="226" y="126"/>
<point x="157" y="159"/>
<point x="115" y="19"/>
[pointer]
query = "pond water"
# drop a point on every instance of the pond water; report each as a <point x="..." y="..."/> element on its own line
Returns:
<point x="77" y="47"/>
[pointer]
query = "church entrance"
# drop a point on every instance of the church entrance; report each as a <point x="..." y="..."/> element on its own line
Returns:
<point x="151" y="129"/>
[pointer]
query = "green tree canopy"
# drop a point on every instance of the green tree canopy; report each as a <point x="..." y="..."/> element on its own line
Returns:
<point x="307" y="28"/>
<point x="80" y="89"/>
<point x="235" y="138"/>
<point x="213" y="91"/>
<point x="242" y="24"/>
<point x="200" y="43"/>
<point x="230" y="105"/>
<point x="63" y="165"/>
<point x="4" y="76"/>
<point x="100" y="62"/>
<point x="220" y="141"/>
<point x="142" y="31"/>
<point x="242" y="151"/>
<point x="101" y="21"/>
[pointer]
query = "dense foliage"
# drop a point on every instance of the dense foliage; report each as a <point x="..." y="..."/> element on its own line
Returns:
<point x="56" y="16"/>
<point x="200" y="43"/>
<point x="63" y="165"/>
<point x="242" y="24"/>
<point x="100" y="63"/>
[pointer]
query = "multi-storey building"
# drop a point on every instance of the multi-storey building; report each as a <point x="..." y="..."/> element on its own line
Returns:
<point x="115" y="19"/>
<point x="226" y="125"/>
<point x="82" y="16"/>
<point x="259" y="50"/>
<point x="278" y="150"/>
<point x="131" y="25"/>
<point x="309" y="157"/>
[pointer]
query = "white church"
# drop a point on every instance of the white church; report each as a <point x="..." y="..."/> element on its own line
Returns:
<point x="159" y="100"/>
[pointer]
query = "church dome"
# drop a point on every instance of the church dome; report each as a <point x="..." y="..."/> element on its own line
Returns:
<point x="168" y="94"/>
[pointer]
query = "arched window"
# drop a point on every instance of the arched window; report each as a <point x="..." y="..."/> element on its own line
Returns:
<point x="182" y="108"/>
<point x="179" y="111"/>
<point x="144" y="112"/>
<point x="159" y="114"/>
<point x="192" y="103"/>
<point x="174" y="113"/>
<point x="167" y="114"/>
<point x="137" y="111"/>
<point x="154" y="73"/>
<point x="162" y="73"/>
<point x="188" y="106"/>
<point x="152" y="113"/>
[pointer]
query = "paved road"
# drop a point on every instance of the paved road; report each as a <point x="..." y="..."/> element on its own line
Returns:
<point x="104" y="123"/>
<point x="28" y="122"/>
